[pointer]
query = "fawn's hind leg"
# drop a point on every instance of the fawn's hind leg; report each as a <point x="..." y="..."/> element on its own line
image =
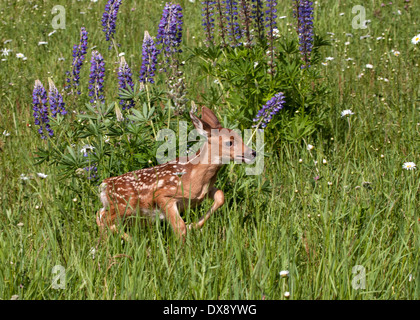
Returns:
<point x="107" y="221"/>
<point x="110" y="214"/>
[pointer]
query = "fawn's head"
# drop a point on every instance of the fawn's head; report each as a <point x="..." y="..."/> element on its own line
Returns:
<point x="223" y="145"/>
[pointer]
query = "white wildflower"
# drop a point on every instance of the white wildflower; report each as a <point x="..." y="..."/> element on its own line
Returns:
<point x="409" y="166"/>
<point x="416" y="39"/>
<point x="5" y="52"/>
<point x="346" y="113"/>
<point x="92" y="252"/>
<point x="24" y="177"/>
<point x="86" y="148"/>
<point x="284" y="273"/>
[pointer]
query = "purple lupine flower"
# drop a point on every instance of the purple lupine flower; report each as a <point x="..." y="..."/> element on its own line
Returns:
<point x="271" y="15"/>
<point x="303" y="11"/>
<point x="79" y="53"/>
<point x="109" y="18"/>
<point x="149" y="59"/>
<point x="258" y="17"/>
<point x="208" y="20"/>
<point x="270" y="23"/>
<point x="222" y="27"/>
<point x="125" y="80"/>
<point x="56" y="100"/>
<point x="40" y="108"/>
<point x="170" y="30"/>
<point x="271" y="108"/>
<point x="245" y="13"/>
<point x="231" y="15"/>
<point x="91" y="172"/>
<point x="96" y="77"/>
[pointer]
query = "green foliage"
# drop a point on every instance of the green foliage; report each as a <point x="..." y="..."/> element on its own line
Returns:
<point x="244" y="84"/>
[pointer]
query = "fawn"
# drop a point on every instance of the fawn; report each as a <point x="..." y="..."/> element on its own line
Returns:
<point x="168" y="189"/>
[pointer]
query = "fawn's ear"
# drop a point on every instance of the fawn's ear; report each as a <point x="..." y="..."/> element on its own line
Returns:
<point x="208" y="116"/>
<point x="202" y="127"/>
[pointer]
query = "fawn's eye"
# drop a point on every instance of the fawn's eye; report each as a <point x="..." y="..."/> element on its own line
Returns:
<point x="229" y="143"/>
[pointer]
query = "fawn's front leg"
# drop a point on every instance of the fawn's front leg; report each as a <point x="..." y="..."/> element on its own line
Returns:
<point x="219" y="199"/>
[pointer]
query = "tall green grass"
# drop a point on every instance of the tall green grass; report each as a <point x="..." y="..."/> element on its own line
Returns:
<point x="364" y="209"/>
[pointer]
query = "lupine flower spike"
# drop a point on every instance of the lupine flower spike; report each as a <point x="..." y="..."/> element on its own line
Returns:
<point x="270" y="23"/>
<point x="245" y="13"/>
<point x="149" y="59"/>
<point x="170" y="31"/>
<point x="208" y="20"/>
<point x="109" y="18"/>
<point x="234" y="30"/>
<point x="222" y="27"/>
<point x="258" y="17"/>
<point x="271" y="108"/>
<point x="125" y="80"/>
<point x="40" y="108"/>
<point x="96" y="78"/>
<point x="79" y="53"/>
<point x="169" y="38"/>
<point x="56" y="100"/>
<point x="304" y="13"/>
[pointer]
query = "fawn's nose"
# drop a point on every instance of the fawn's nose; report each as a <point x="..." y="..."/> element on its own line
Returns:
<point x="253" y="153"/>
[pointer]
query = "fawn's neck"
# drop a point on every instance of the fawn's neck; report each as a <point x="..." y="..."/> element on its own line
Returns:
<point x="205" y="165"/>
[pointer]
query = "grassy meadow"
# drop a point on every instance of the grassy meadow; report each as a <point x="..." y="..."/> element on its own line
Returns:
<point x="317" y="213"/>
